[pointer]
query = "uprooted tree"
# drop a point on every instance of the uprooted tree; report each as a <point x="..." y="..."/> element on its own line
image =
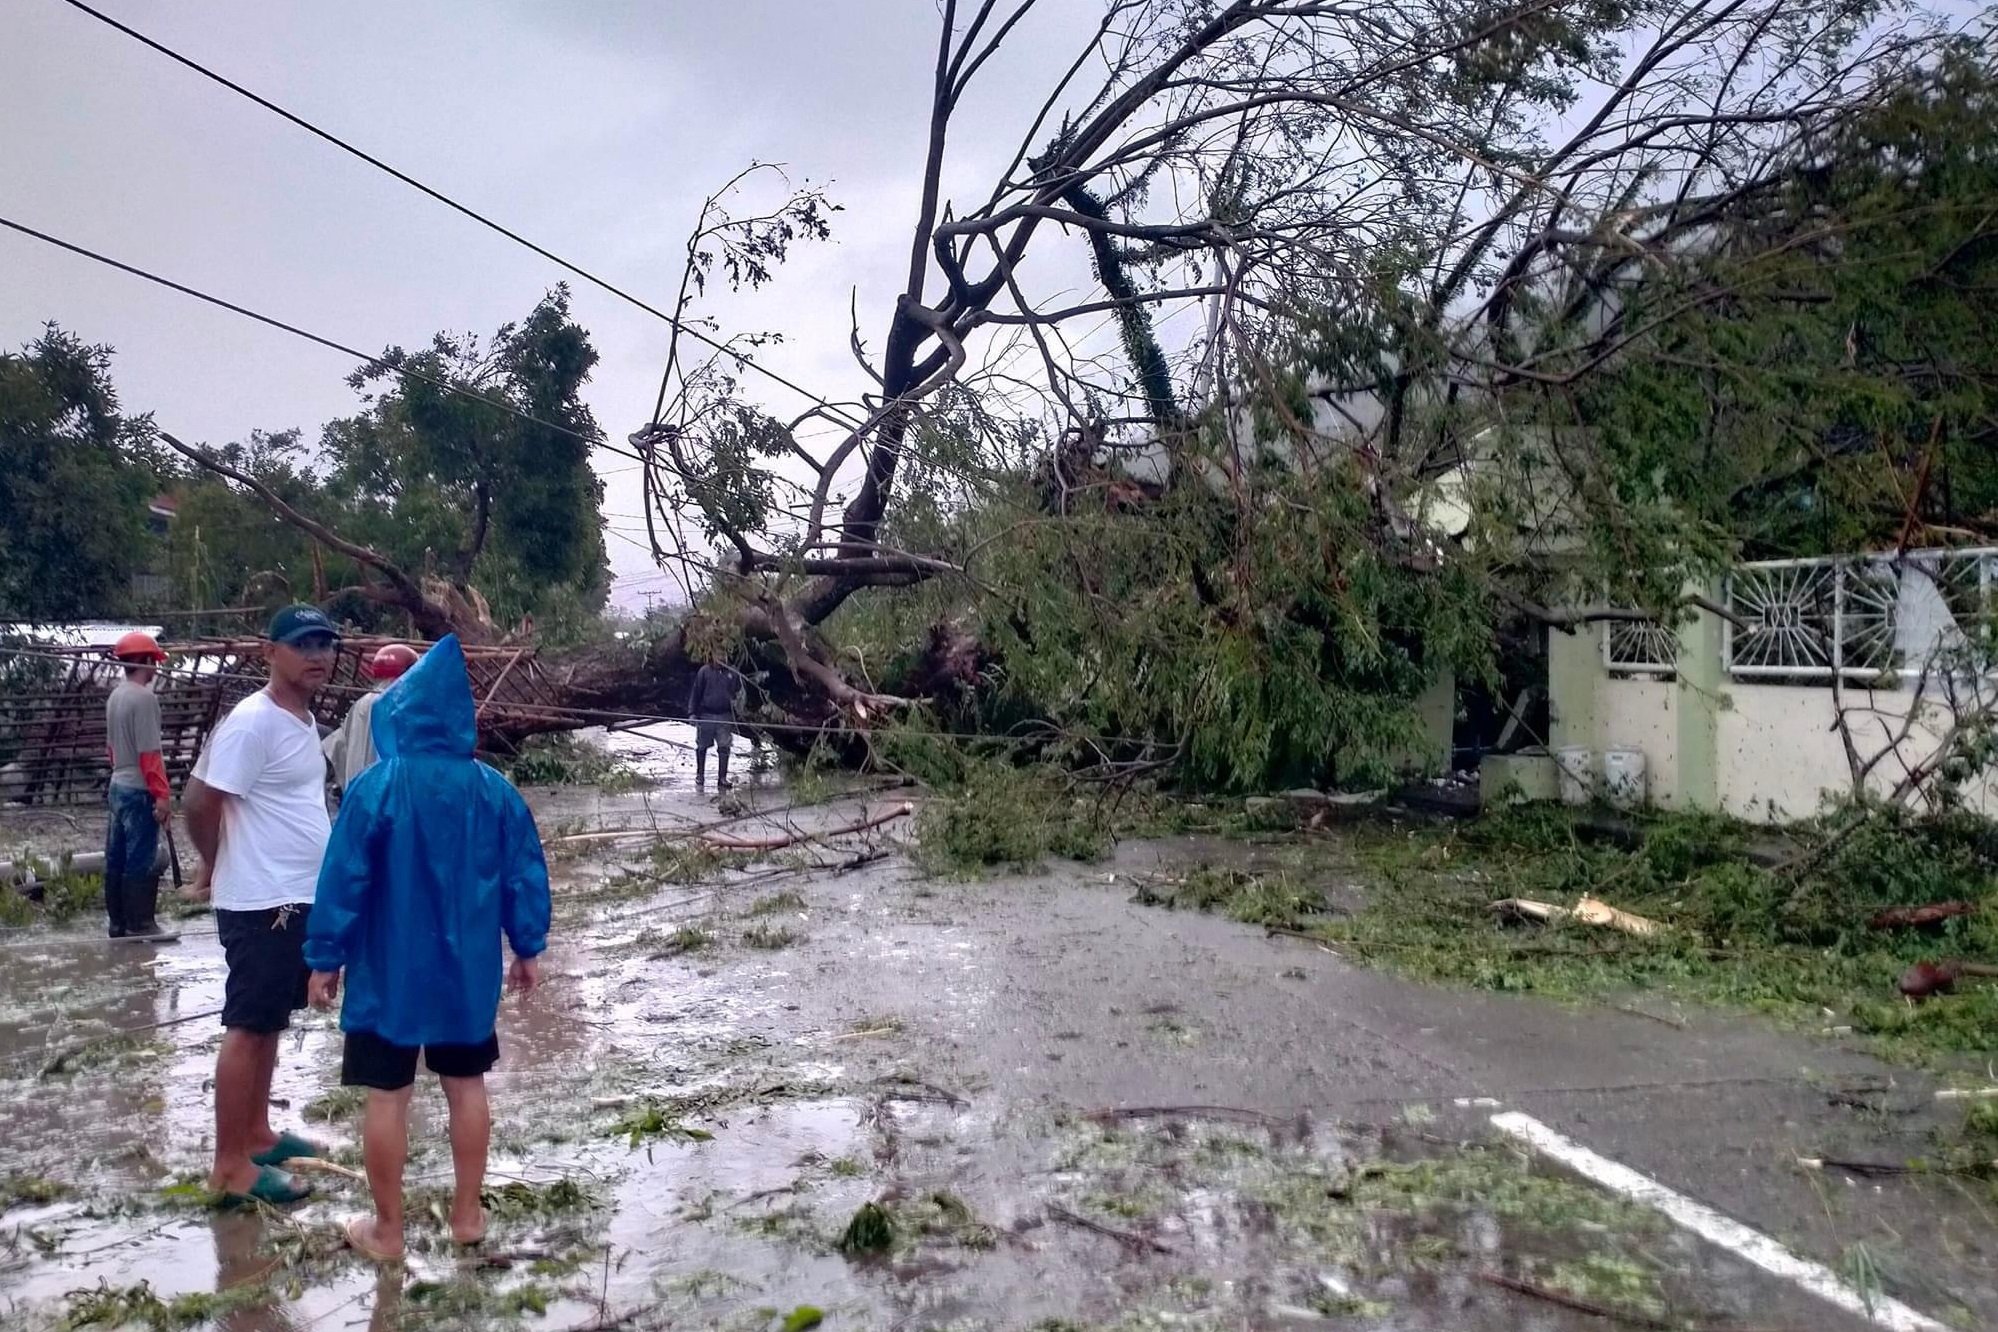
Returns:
<point x="1573" y="271"/>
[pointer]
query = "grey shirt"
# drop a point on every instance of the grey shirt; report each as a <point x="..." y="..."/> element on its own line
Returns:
<point x="351" y="749"/>
<point x="132" y="727"/>
<point x="715" y="688"/>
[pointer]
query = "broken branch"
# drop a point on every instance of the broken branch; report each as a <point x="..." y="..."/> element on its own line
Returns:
<point x="1142" y="1243"/>
<point x="779" y="841"/>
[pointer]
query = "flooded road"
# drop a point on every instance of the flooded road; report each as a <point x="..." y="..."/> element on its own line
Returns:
<point x="901" y="1103"/>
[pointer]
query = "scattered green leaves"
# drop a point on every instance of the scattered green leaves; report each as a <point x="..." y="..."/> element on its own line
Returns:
<point x="871" y="1231"/>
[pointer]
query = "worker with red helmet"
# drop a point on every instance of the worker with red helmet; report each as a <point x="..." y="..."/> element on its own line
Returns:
<point x="140" y="798"/>
<point x="351" y="749"/>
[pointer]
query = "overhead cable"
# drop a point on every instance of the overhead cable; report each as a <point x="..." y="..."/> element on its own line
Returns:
<point x="445" y="199"/>
<point x="297" y="332"/>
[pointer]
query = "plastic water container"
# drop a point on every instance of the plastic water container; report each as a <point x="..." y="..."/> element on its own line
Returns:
<point x="1576" y="768"/>
<point x="1624" y="778"/>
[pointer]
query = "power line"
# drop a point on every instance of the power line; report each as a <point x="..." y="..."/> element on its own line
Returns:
<point x="451" y="203"/>
<point x="309" y="336"/>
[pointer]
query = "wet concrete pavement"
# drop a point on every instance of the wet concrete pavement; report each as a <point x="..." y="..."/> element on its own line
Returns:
<point x="1073" y="1107"/>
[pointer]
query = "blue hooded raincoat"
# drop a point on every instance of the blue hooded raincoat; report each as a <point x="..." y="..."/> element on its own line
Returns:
<point x="433" y="858"/>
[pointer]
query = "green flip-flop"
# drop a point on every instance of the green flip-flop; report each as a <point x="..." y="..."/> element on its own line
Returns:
<point x="284" y="1149"/>
<point x="273" y="1186"/>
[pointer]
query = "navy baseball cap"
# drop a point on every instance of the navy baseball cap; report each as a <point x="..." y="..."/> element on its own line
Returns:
<point x="296" y="622"/>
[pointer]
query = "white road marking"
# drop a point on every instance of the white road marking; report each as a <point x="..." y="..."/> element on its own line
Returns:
<point x="1709" y="1225"/>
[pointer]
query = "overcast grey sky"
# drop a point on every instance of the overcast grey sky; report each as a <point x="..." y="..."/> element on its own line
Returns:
<point x="593" y="128"/>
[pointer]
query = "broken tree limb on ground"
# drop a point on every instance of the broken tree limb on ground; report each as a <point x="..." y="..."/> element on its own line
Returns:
<point x="1626" y="1316"/>
<point x="1916" y="917"/>
<point x="1588" y="910"/>
<point x="1272" y="931"/>
<point x="60" y="1060"/>
<point x="1926" y="979"/>
<point x="1142" y="1243"/>
<point x="778" y="841"/>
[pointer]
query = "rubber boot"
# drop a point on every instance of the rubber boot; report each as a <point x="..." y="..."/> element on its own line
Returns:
<point x="721" y="767"/>
<point x="700" y="769"/>
<point x="114" y="903"/>
<point x="142" y="904"/>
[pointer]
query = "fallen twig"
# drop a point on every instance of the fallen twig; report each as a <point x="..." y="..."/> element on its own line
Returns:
<point x="319" y="1165"/>
<point x="60" y="1060"/>
<point x="1271" y="931"/>
<point x="1539" y="1292"/>
<point x="504" y="1260"/>
<point x="778" y="841"/>
<point x="1674" y="1023"/>
<point x="911" y="1087"/>
<point x="761" y="1195"/>
<point x="1124" y="1237"/>
<point x="1116" y="1113"/>
<point x="1893" y="1170"/>
<point x="1967" y="1094"/>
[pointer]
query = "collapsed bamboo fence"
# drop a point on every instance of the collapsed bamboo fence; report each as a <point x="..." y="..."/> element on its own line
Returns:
<point x="53" y="747"/>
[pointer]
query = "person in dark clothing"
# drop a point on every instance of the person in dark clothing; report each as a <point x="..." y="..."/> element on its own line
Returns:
<point x="712" y="707"/>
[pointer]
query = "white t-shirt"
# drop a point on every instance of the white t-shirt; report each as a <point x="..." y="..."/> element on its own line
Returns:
<point x="274" y="833"/>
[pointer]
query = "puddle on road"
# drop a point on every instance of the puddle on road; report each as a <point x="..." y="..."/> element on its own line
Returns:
<point x="682" y="1142"/>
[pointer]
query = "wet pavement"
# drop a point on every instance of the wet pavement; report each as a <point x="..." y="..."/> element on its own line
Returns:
<point x="1072" y="1111"/>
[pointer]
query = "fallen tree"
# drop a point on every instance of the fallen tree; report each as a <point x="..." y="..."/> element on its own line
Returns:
<point x="1220" y="551"/>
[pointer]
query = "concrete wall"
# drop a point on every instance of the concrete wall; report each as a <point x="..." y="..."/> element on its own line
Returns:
<point x="1588" y="707"/>
<point x="1768" y="752"/>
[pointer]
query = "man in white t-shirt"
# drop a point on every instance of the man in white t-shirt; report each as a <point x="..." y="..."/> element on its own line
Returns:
<point x="256" y="810"/>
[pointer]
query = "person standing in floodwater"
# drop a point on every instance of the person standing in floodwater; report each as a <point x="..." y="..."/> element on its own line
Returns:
<point x="256" y="811"/>
<point x="435" y="858"/>
<point x="712" y="706"/>
<point x="140" y="797"/>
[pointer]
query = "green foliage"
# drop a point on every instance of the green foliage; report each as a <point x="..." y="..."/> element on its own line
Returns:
<point x="1270" y="635"/>
<point x="21" y="1190"/>
<point x="1000" y="815"/>
<point x="1815" y="367"/>
<point x="467" y="1301"/>
<point x="228" y="549"/>
<point x="653" y="1119"/>
<point x="437" y="478"/>
<point x="139" y="1305"/>
<point x="336" y="1104"/>
<point x="871" y="1231"/>
<point x="769" y="938"/>
<point x="65" y="895"/>
<point x="568" y="760"/>
<point x="73" y="509"/>
<point x="1790" y="940"/>
<point x="777" y="903"/>
<point x="1253" y="899"/>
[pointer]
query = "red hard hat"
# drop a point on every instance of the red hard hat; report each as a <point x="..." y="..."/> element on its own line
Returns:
<point x="391" y="661"/>
<point x="137" y="646"/>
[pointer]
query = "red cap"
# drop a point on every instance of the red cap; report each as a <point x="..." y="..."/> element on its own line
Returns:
<point x="391" y="661"/>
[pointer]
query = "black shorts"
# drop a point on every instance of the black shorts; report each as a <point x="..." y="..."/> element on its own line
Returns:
<point x="265" y="952"/>
<point x="370" y="1061"/>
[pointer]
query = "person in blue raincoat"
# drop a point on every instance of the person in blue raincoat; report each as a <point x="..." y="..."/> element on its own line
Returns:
<point x="434" y="857"/>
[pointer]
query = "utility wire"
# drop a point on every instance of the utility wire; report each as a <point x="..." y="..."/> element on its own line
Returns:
<point x="451" y="203"/>
<point x="309" y="336"/>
